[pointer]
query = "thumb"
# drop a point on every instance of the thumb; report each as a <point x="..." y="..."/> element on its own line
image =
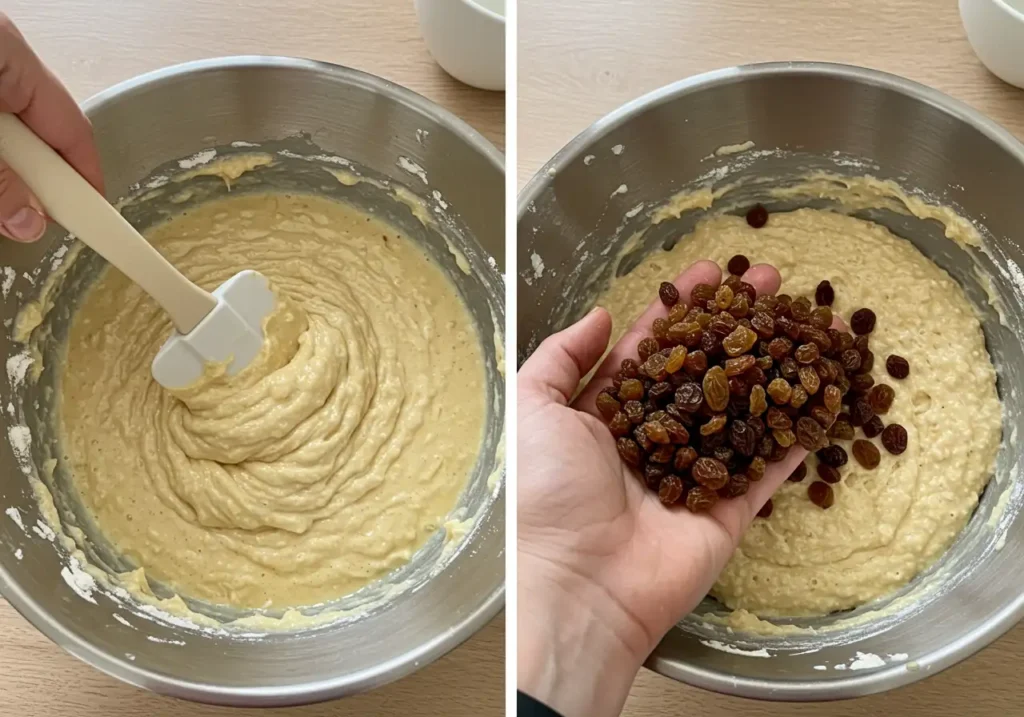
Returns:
<point x="21" y="218"/>
<point x="556" y="367"/>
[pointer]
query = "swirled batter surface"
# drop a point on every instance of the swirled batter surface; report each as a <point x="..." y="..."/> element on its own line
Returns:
<point x="327" y="462"/>
<point x="888" y="524"/>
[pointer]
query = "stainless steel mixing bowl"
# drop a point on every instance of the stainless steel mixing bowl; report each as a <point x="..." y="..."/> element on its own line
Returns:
<point x="576" y="213"/>
<point x="381" y="128"/>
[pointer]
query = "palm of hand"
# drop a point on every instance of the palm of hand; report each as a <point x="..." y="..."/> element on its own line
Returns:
<point x="584" y="515"/>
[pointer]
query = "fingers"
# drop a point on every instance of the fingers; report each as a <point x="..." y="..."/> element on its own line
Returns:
<point x="703" y="272"/>
<point x="558" y="364"/>
<point x="765" y="278"/>
<point x="30" y="91"/>
<point x="21" y="218"/>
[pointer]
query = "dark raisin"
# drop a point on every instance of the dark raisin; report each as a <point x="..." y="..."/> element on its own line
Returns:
<point x="894" y="438"/>
<point x="833" y="455"/>
<point x="897" y="366"/>
<point x="801" y="308"/>
<point x="867" y="362"/>
<point x="738" y="265"/>
<point x="634" y="411"/>
<point x="799" y="473"/>
<point x="821" y="494"/>
<point x="660" y="393"/>
<point x="738" y="485"/>
<point x="757" y="216"/>
<point x="828" y="474"/>
<point x="668" y="293"/>
<point x="647" y="347"/>
<point x="863" y="321"/>
<point x="684" y="458"/>
<point x="740" y="306"/>
<point x="861" y="412"/>
<point x="775" y="418"/>
<point x="881" y="397"/>
<point x="689" y="397"/>
<point x="653" y="475"/>
<point x="620" y="424"/>
<point x="779" y="452"/>
<point x="873" y="427"/>
<point x="823" y="416"/>
<point x="850" y="360"/>
<point x="716" y="388"/>
<point x="824" y="295"/>
<point x="663" y="453"/>
<point x="747" y="290"/>
<point x="742" y="438"/>
<point x="630" y="368"/>
<point x="641" y="438"/>
<point x="763" y="323"/>
<point x="766" y="510"/>
<point x="866" y="454"/>
<point x="725" y="455"/>
<point x="677" y="432"/>
<point x="765" y="446"/>
<point x="818" y="337"/>
<point x="701" y="499"/>
<point x="861" y="382"/>
<point x="629" y="451"/>
<point x="696" y="363"/>
<point x="810" y="434"/>
<point x="670" y="490"/>
<point x="755" y="471"/>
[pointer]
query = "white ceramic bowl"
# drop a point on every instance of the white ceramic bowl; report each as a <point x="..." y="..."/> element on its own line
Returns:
<point x="995" y="29"/>
<point x="467" y="39"/>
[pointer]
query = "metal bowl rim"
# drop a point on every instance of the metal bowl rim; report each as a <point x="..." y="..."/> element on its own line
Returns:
<point x="846" y="686"/>
<point x="320" y="690"/>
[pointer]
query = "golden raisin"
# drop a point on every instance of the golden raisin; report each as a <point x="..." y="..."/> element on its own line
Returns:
<point x="809" y="379"/>
<point x="784" y="437"/>
<point x="880" y="397"/>
<point x="780" y="391"/>
<point x="716" y="388"/>
<point x="656" y="432"/>
<point x="629" y="451"/>
<point x="710" y="473"/>
<point x="799" y="397"/>
<point x="655" y="367"/>
<point x="777" y="419"/>
<point x="739" y="365"/>
<point x="607" y="404"/>
<point x="631" y="390"/>
<point x="821" y="318"/>
<point x="670" y="490"/>
<point x="739" y="341"/>
<point x="677" y="432"/>
<point x="678" y="313"/>
<point x="714" y="425"/>
<point x="758" y="403"/>
<point x="687" y="333"/>
<point x="866" y="454"/>
<point x="740" y="306"/>
<point x="640" y="436"/>
<point x="676" y="359"/>
<point x="833" y="399"/>
<point x="701" y="293"/>
<point x="700" y="499"/>
<point x="806" y="353"/>
<point x="755" y="471"/>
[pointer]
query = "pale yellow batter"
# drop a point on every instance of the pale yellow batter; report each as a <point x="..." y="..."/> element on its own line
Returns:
<point x="888" y="524"/>
<point x="326" y="463"/>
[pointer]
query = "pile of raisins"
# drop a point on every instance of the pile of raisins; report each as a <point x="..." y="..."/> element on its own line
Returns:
<point x="723" y="388"/>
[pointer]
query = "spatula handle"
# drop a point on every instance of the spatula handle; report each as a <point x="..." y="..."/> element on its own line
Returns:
<point x="74" y="204"/>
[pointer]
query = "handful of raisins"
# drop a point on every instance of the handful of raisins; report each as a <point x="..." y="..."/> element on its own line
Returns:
<point x="730" y="381"/>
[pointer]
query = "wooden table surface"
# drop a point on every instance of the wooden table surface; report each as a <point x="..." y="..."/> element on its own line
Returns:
<point x="579" y="59"/>
<point x="93" y="44"/>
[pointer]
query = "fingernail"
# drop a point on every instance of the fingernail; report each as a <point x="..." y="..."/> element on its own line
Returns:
<point x="26" y="225"/>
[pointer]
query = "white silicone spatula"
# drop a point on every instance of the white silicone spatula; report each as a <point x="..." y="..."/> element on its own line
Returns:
<point x="225" y="326"/>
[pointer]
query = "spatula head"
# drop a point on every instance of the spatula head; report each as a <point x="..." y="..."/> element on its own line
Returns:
<point x="232" y="332"/>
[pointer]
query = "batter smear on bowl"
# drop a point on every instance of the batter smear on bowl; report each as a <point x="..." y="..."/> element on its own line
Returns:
<point x="896" y="510"/>
<point x="322" y="466"/>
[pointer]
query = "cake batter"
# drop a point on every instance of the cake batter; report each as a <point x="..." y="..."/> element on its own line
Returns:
<point x="889" y="524"/>
<point x="322" y="466"/>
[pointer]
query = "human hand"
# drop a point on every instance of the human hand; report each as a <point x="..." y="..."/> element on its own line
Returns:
<point x="32" y="92"/>
<point x="604" y="569"/>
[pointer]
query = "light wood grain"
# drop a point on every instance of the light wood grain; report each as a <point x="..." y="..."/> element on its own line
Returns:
<point x="579" y="59"/>
<point x="91" y="45"/>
